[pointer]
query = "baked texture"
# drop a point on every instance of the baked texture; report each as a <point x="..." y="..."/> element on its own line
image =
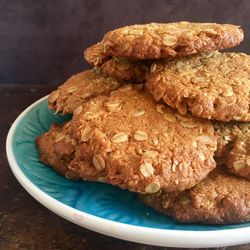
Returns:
<point x="122" y="68"/>
<point x="95" y="55"/>
<point x="219" y="199"/>
<point x="57" y="148"/>
<point x="133" y="142"/>
<point x="127" y="70"/>
<point x="79" y="88"/>
<point x="210" y="85"/>
<point x="233" y="149"/>
<point x="163" y="40"/>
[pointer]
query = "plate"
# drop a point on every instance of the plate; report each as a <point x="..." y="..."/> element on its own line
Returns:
<point x="100" y="207"/>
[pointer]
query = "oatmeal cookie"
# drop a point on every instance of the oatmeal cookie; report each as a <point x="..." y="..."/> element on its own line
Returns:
<point x="219" y="199"/>
<point x="209" y="85"/>
<point x="138" y="144"/>
<point x="79" y="88"/>
<point x="163" y="40"/>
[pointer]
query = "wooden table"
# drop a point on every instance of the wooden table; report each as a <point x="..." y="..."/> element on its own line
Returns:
<point x="24" y="223"/>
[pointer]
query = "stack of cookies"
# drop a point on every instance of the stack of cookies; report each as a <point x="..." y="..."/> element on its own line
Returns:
<point x="162" y="114"/>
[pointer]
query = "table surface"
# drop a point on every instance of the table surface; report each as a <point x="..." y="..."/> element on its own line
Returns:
<point x="24" y="223"/>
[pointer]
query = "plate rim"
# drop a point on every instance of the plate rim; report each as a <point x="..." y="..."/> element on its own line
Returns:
<point x="139" y="234"/>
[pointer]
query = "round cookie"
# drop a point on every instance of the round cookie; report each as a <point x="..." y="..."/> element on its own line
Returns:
<point x="209" y="85"/>
<point x="138" y="144"/>
<point x="163" y="40"/>
<point x="233" y="149"/>
<point x="79" y="88"/>
<point x="57" y="148"/>
<point x="215" y="200"/>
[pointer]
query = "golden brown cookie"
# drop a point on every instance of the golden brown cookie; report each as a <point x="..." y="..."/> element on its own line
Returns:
<point x="219" y="199"/>
<point x="209" y="85"/>
<point x="57" y="148"/>
<point x="233" y="148"/>
<point x="163" y="40"/>
<point x="135" y="143"/>
<point x="79" y="88"/>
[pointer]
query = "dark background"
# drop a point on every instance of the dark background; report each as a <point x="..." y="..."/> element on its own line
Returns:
<point x="41" y="42"/>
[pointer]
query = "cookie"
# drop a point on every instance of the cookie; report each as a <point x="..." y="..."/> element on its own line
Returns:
<point x="163" y="40"/>
<point x="215" y="200"/>
<point x="57" y="148"/>
<point x="79" y="88"/>
<point x="138" y="144"/>
<point x="209" y="85"/>
<point x="233" y="148"/>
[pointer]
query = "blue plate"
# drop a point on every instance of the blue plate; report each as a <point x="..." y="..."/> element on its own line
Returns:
<point x="82" y="198"/>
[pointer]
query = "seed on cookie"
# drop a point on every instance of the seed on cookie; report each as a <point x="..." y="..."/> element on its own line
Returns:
<point x="169" y="40"/>
<point x="59" y="137"/>
<point x="140" y="135"/>
<point x="169" y="117"/>
<point x="139" y="113"/>
<point x="114" y="106"/>
<point x="152" y="187"/>
<point x="152" y="67"/>
<point x="150" y="154"/>
<point x="187" y="124"/>
<point x="99" y="162"/>
<point x="78" y="110"/>
<point x="91" y="115"/>
<point x="239" y="164"/>
<point x="119" y="137"/>
<point x="184" y="169"/>
<point x="86" y="133"/>
<point x="72" y="89"/>
<point x="146" y="169"/>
